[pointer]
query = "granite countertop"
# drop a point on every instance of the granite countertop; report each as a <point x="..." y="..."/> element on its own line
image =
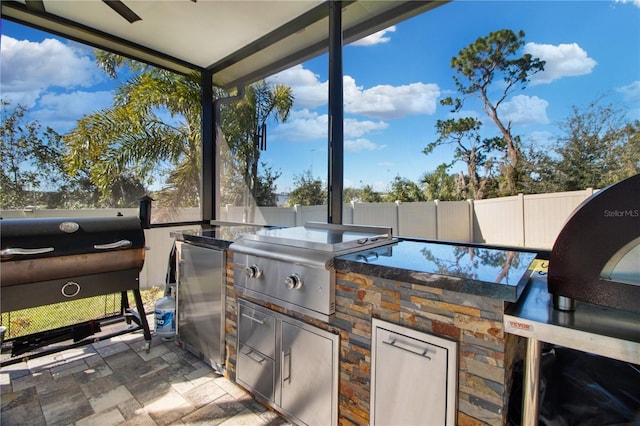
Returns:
<point x="480" y="270"/>
<point x="484" y="271"/>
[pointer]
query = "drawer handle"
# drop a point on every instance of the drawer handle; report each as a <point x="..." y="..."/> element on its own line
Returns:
<point x="423" y="354"/>
<point x="248" y="355"/>
<point x="24" y="251"/>
<point x="117" y="244"/>
<point x="253" y="319"/>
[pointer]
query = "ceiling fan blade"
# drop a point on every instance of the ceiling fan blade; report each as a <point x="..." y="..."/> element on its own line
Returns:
<point x="123" y="10"/>
<point x="35" y="5"/>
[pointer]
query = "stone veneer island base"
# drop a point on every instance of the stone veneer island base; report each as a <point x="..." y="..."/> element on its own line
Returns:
<point x="487" y="354"/>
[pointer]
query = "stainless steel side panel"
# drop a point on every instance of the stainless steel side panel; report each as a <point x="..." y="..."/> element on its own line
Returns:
<point x="200" y="301"/>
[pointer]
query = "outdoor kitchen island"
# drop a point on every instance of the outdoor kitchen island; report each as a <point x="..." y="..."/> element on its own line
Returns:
<point x="454" y="292"/>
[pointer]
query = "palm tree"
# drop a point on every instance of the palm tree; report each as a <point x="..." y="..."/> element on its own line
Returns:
<point x="244" y="125"/>
<point x="132" y="137"/>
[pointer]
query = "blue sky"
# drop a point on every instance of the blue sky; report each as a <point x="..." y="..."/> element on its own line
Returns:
<point x="393" y="83"/>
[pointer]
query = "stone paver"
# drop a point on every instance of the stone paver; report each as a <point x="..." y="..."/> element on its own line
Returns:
<point x="116" y="382"/>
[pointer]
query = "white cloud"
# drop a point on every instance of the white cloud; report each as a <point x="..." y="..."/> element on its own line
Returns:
<point x="375" y="38"/>
<point x="563" y="60"/>
<point x="361" y="144"/>
<point x="383" y="101"/>
<point x="631" y="92"/>
<point x="28" y="69"/>
<point x="308" y="91"/>
<point x="522" y="109"/>
<point x="302" y="125"/>
<point x="305" y="125"/>
<point x="387" y="101"/>
<point x="355" y="128"/>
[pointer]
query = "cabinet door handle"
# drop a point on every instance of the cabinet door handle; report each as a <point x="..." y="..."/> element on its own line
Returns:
<point x="249" y="354"/>
<point x="394" y="343"/>
<point x="286" y="376"/>
<point x="253" y="319"/>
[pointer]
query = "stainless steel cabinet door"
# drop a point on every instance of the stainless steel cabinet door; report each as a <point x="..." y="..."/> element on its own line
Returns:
<point x="309" y="363"/>
<point x="412" y="381"/>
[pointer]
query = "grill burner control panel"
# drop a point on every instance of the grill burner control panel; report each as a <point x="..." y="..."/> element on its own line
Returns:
<point x="293" y="267"/>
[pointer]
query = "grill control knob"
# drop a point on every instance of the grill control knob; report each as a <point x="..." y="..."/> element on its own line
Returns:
<point x="253" y="271"/>
<point x="293" y="281"/>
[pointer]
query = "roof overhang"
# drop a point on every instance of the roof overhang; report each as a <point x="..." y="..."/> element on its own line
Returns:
<point x="239" y="42"/>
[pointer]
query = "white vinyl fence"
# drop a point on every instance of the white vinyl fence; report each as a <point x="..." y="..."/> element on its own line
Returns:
<point x="531" y="221"/>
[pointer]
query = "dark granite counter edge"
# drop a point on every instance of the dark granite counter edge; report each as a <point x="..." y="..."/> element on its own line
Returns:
<point x="460" y="285"/>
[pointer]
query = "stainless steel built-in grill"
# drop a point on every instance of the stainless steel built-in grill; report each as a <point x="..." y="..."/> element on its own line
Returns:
<point x="293" y="267"/>
<point x="53" y="260"/>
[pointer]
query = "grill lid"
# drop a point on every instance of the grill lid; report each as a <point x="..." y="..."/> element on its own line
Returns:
<point x="53" y="237"/>
<point x="37" y="250"/>
<point x="324" y="237"/>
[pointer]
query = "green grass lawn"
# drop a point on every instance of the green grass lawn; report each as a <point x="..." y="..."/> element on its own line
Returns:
<point x="48" y="317"/>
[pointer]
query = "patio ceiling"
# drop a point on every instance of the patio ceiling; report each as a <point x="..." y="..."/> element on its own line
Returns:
<point x="239" y="42"/>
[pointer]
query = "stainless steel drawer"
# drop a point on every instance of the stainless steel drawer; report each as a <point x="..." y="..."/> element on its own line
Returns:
<point x="256" y="371"/>
<point x="257" y="329"/>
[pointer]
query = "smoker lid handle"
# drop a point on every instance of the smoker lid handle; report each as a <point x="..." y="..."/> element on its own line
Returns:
<point x="24" y="251"/>
<point x="117" y="244"/>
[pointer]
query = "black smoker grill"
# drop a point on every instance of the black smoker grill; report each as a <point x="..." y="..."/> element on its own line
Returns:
<point x="53" y="260"/>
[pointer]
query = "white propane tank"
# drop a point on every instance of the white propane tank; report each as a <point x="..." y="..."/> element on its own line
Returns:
<point x="165" y="313"/>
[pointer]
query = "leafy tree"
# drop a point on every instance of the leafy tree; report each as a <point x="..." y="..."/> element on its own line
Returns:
<point x="625" y="158"/>
<point x="30" y="159"/>
<point x="598" y="147"/>
<point x="350" y="194"/>
<point x="366" y="194"/>
<point x="404" y="190"/>
<point x="488" y="60"/>
<point x="369" y="195"/>
<point x="440" y="185"/>
<point x="470" y="148"/>
<point x="266" y="191"/>
<point x="308" y="191"/>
